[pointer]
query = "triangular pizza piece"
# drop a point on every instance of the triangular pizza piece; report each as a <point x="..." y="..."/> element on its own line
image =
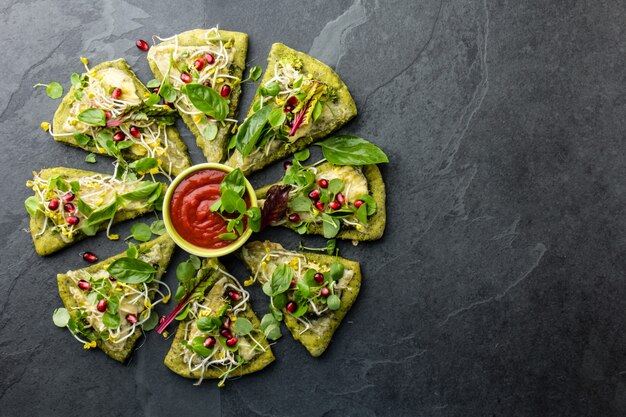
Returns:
<point x="109" y="111"/>
<point x="70" y="204"/>
<point x="111" y="303"/>
<point x="200" y="71"/>
<point x="219" y="336"/>
<point x="312" y="292"/>
<point x="300" y="100"/>
<point x="347" y="202"/>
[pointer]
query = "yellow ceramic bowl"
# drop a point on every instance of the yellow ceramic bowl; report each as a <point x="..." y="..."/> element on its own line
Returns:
<point x="189" y="247"/>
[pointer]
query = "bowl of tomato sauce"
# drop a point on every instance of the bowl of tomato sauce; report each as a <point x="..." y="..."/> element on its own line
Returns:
<point x="187" y="212"/>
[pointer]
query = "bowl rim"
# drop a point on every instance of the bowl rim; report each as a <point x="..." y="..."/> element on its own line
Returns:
<point x="179" y="240"/>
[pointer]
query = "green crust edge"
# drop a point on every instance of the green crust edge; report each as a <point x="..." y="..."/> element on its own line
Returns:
<point x="63" y="113"/>
<point x="215" y="150"/>
<point x="175" y="364"/>
<point x="334" y="115"/>
<point x="64" y="282"/>
<point x="50" y="242"/>
<point x="377" y="221"/>
<point x="315" y="343"/>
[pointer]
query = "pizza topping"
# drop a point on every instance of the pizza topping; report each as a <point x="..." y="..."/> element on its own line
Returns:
<point x="199" y="63"/>
<point x="131" y="318"/>
<point x="225" y="91"/>
<point x="143" y="45"/>
<point x="334" y="205"/>
<point x="117" y="93"/>
<point x="322" y="182"/>
<point x="69" y="207"/>
<point x="186" y="78"/>
<point x="358" y="203"/>
<point x="209" y="342"/>
<point x="231" y="342"/>
<point x="135" y="132"/>
<point x="72" y="220"/>
<point x="90" y="257"/>
<point x="84" y="285"/>
<point x="67" y="197"/>
<point x="119" y="136"/>
<point x="209" y="58"/>
<point x="102" y="305"/>
<point x="294" y="218"/>
<point x="53" y="204"/>
<point x="325" y="292"/>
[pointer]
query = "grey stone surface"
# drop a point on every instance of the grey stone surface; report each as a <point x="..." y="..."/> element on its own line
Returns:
<point x="498" y="289"/>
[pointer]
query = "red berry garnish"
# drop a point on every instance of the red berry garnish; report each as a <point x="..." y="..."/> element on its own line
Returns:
<point x="358" y="203"/>
<point x="131" y="318"/>
<point x="288" y="108"/>
<point x="185" y="77"/>
<point x="340" y="199"/>
<point x="134" y="130"/>
<point x="325" y="292"/>
<point x="287" y="164"/>
<point x="209" y="58"/>
<point x="143" y="45"/>
<point x="293" y="100"/>
<point x="53" y="204"/>
<point x="320" y="206"/>
<point x="199" y="64"/>
<point x="231" y="342"/>
<point x="226" y="333"/>
<point x="72" y="220"/>
<point x="117" y="93"/>
<point x="67" y="197"/>
<point x="292" y="307"/>
<point x="209" y="342"/>
<point x="319" y="278"/>
<point x="314" y="195"/>
<point x="323" y="183"/>
<point x="294" y="217"/>
<point x="69" y="207"/>
<point x="84" y="285"/>
<point x="119" y="136"/>
<point x="334" y="205"/>
<point x="90" y="257"/>
<point x="108" y="114"/>
<point x="234" y="295"/>
<point x="225" y="92"/>
<point x="102" y="305"/>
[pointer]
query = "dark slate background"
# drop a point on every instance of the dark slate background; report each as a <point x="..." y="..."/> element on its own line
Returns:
<point x="498" y="289"/>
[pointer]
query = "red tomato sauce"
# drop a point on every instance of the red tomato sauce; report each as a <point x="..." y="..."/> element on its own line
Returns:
<point x="190" y="209"/>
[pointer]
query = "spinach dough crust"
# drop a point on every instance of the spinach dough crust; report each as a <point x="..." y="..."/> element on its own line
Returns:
<point x="376" y="223"/>
<point x="64" y="283"/>
<point x="214" y="150"/>
<point x="50" y="241"/>
<point x="173" y="359"/>
<point x="63" y="113"/>
<point x="334" y="115"/>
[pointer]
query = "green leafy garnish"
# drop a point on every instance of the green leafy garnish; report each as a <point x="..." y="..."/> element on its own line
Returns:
<point x="60" y="317"/>
<point x="33" y="205"/>
<point x="94" y="117"/>
<point x="207" y="100"/>
<point x="54" y="89"/>
<point x="91" y="158"/>
<point x="141" y="232"/>
<point x="131" y="271"/>
<point x="352" y="150"/>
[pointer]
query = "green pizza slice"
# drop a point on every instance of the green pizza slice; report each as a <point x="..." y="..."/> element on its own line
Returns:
<point x="111" y="303"/>
<point x="109" y="111"/>
<point x="300" y="100"/>
<point x="70" y="204"/>
<point x="311" y="292"/>
<point x="343" y="201"/>
<point x="200" y="71"/>
<point x="219" y="335"/>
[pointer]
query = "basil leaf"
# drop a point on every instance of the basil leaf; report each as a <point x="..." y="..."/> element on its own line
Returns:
<point x="152" y="99"/>
<point x="330" y="226"/>
<point x="105" y="140"/>
<point x="276" y="117"/>
<point x="194" y="260"/>
<point x="33" y="205"/>
<point x="270" y="327"/>
<point x="102" y="214"/>
<point x="143" y="191"/>
<point x="352" y="150"/>
<point x="207" y="100"/>
<point x="279" y="301"/>
<point x="131" y="271"/>
<point x="335" y="185"/>
<point x="60" y="317"/>
<point x="82" y="139"/>
<point x="227" y="236"/>
<point x="83" y="207"/>
<point x="317" y="110"/>
<point x="75" y="186"/>
<point x="58" y="183"/>
<point x="158" y="228"/>
<point x="254" y="218"/>
<point x="152" y="321"/>
<point x="281" y="279"/>
<point x="267" y="288"/>
<point x="209" y="324"/>
<point x="113" y="305"/>
<point x="304" y="288"/>
<point x="132" y="251"/>
<point x="255" y="73"/>
<point x="185" y="271"/>
<point x="141" y="232"/>
<point x="272" y="89"/>
<point x="197" y="345"/>
<point x="369" y="201"/>
<point x="111" y="321"/>
<point x="167" y="92"/>
<point x="361" y="213"/>
<point x="89" y="230"/>
<point x="91" y="158"/>
<point x="333" y="302"/>
<point x="75" y="80"/>
<point x="300" y="203"/>
<point x="331" y="245"/>
<point x="303" y="307"/>
<point x="144" y="164"/>
<point x="234" y="181"/>
<point x="153" y="83"/>
<point x="54" y="90"/>
<point x="94" y="117"/>
<point x="309" y="278"/>
<point x="302" y="155"/>
<point x="336" y="271"/>
<point x="248" y="134"/>
<point x="242" y="326"/>
<point x="210" y="132"/>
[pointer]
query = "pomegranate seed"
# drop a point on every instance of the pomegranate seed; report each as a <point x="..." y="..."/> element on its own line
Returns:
<point x="226" y="324"/>
<point x="72" y="220"/>
<point x="225" y="90"/>
<point x="67" y="197"/>
<point x="209" y="58"/>
<point x="90" y="257"/>
<point x="335" y="205"/>
<point x="131" y="318"/>
<point x="294" y="217"/>
<point x="156" y="90"/>
<point x="143" y="45"/>
<point x="325" y="292"/>
<point x="358" y="203"/>
<point x="293" y="283"/>
<point x="293" y="100"/>
<point x="84" y="285"/>
<point x="323" y="183"/>
<point x="292" y="307"/>
<point x="287" y="164"/>
<point x="207" y="83"/>
<point x="119" y="136"/>
<point x="53" y="204"/>
<point x="340" y="199"/>
<point x="162" y="319"/>
<point x="233" y="295"/>
<point x="209" y="342"/>
<point x="319" y="278"/>
<point x="199" y="64"/>
<point x="102" y="305"/>
<point x="288" y="108"/>
<point x="107" y="115"/>
<point x="226" y="333"/>
<point x="186" y="78"/>
<point x="314" y="195"/>
<point x="69" y="207"/>
<point x="320" y="206"/>
<point x="231" y="342"/>
<point x="117" y="93"/>
<point x="134" y="130"/>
